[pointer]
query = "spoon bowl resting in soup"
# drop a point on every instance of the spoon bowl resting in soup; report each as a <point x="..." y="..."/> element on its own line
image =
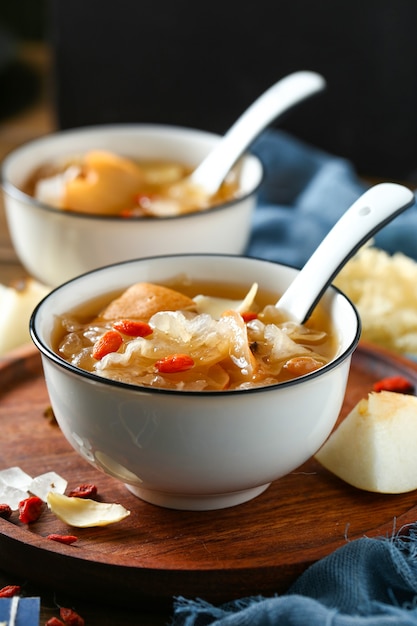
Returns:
<point x="218" y="430"/>
<point x="79" y="199"/>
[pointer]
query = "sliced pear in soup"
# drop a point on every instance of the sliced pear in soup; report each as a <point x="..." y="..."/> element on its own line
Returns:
<point x="374" y="448"/>
<point x="142" y="300"/>
<point x="105" y="185"/>
<point x="217" y="306"/>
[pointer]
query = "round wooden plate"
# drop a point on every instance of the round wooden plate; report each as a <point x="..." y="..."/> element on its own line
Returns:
<point x="259" y="547"/>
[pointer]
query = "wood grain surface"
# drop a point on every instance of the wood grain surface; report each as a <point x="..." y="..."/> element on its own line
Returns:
<point x="155" y="554"/>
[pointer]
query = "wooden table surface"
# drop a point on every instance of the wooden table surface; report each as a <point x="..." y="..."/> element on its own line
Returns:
<point x="35" y="121"/>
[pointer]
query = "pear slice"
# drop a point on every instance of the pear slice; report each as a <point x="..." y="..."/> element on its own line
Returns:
<point x="374" y="448"/>
<point x="85" y="513"/>
<point x="107" y="184"/>
<point x="217" y="306"/>
<point x="142" y="300"/>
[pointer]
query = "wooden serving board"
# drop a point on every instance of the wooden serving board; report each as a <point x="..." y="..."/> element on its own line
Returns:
<point x="259" y="547"/>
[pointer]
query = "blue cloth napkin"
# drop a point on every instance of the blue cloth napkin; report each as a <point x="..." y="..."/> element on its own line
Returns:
<point x="304" y="193"/>
<point x="18" y="611"/>
<point x="366" y="582"/>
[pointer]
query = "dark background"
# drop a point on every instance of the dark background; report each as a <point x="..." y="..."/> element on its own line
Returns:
<point x="20" y="21"/>
<point x="200" y="64"/>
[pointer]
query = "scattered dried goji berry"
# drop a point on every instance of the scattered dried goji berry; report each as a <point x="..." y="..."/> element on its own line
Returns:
<point x="5" y="511"/>
<point x="109" y="342"/>
<point x="71" y="618"/>
<point x="133" y="328"/>
<point x="84" y="491"/>
<point x="54" y="621"/>
<point x="400" y="384"/>
<point x="248" y="316"/>
<point x="174" y="363"/>
<point x="68" y="539"/>
<point x="9" y="591"/>
<point x="30" y="509"/>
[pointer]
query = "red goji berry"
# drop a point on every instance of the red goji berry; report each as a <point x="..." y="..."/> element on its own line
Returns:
<point x="67" y="539"/>
<point x="174" y="363"/>
<point x="248" y="316"/>
<point x="30" y="509"/>
<point x="109" y="342"/>
<point x="54" y="621"/>
<point x="133" y="328"/>
<point x="5" y="511"/>
<point x="71" y="618"/>
<point x="394" y="383"/>
<point x="84" y="491"/>
<point x="9" y="591"/>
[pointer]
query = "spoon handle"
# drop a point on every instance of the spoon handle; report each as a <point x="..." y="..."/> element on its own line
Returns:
<point x="366" y="216"/>
<point x="273" y="102"/>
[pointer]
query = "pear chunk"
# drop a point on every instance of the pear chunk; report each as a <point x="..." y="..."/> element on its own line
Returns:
<point x="374" y="448"/>
<point x="142" y="300"/>
<point x="16" y="305"/>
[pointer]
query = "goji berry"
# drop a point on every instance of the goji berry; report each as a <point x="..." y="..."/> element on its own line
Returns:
<point x="400" y="384"/>
<point x="133" y="328"/>
<point x="174" y="363"/>
<point x="68" y="539"/>
<point x="84" y="491"/>
<point x="54" y="621"/>
<point x="71" y="618"/>
<point x="9" y="591"/>
<point x="5" y="511"/>
<point x="30" y="509"/>
<point x="109" y="342"/>
<point x="248" y="316"/>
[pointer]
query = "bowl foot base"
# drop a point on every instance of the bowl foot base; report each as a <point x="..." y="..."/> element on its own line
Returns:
<point x="187" y="502"/>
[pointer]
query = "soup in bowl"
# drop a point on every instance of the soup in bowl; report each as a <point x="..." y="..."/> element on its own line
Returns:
<point x="178" y="376"/>
<point x="82" y="198"/>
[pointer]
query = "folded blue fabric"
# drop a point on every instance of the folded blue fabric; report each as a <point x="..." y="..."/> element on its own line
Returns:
<point x="367" y="582"/>
<point x="304" y="193"/>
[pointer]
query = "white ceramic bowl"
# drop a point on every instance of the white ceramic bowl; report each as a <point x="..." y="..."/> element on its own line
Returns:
<point x="56" y="245"/>
<point x="193" y="450"/>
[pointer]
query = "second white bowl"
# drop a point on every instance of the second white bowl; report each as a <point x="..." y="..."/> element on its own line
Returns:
<point x="56" y="245"/>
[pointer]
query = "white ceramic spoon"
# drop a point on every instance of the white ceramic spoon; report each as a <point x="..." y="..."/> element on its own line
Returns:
<point x="276" y="100"/>
<point x="373" y="210"/>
